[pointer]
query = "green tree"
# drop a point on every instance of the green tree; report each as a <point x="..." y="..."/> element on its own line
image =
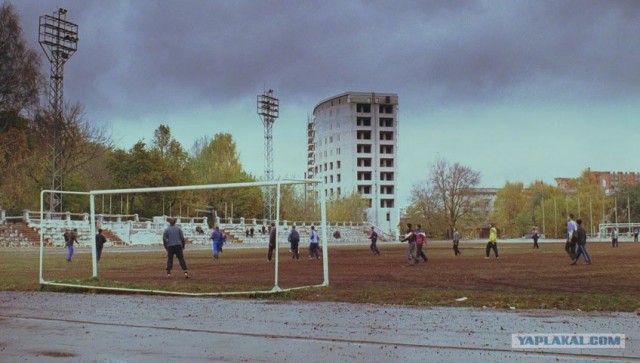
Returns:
<point x="351" y="208"/>
<point x="510" y="212"/>
<point x="20" y="77"/>
<point x="216" y="162"/>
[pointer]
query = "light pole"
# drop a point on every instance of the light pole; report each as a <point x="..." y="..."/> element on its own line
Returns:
<point x="59" y="40"/>
<point x="268" y="109"/>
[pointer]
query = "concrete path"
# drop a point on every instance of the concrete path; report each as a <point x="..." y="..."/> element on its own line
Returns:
<point x="59" y="327"/>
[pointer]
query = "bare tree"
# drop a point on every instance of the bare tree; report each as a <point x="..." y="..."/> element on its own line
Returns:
<point x="446" y="198"/>
<point x="81" y="141"/>
<point x="453" y="184"/>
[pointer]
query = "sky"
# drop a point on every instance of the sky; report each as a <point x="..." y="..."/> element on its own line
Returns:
<point x="517" y="90"/>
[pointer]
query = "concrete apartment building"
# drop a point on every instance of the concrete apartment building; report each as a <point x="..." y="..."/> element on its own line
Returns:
<point x="352" y="146"/>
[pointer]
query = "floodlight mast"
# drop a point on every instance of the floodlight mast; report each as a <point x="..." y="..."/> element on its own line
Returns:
<point x="59" y="40"/>
<point x="268" y="110"/>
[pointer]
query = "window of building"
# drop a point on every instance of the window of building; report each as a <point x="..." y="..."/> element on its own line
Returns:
<point x="386" y="149"/>
<point x="364" y="189"/>
<point x="386" y="122"/>
<point x="363" y="121"/>
<point x="386" y="176"/>
<point x="338" y="177"/>
<point x="325" y="180"/>
<point x="338" y="151"/>
<point x="386" y="163"/>
<point x="363" y="135"/>
<point x="339" y="192"/>
<point x="338" y="163"/>
<point x="363" y="149"/>
<point x="331" y="178"/>
<point x="386" y="135"/>
<point x="364" y="162"/>
<point x="364" y="175"/>
<point x="385" y="108"/>
<point x="330" y="139"/>
<point x="363" y="107"/>
<point x="386" y="203"/>
<point x="386" y="189"/>
<point x="368" y="201"/>
<point x="331" y="165"/>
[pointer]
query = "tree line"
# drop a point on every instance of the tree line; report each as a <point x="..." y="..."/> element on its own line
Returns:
<point x="449" y="198"/>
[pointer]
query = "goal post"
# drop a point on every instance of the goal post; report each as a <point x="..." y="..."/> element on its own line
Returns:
<point x="276" y="183"/>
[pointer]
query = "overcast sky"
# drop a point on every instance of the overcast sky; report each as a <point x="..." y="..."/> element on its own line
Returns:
<point x="517" y="90"/>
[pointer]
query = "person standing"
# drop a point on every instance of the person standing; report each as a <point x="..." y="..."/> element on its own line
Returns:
<point x="69" y="239"/>
<point x="582" y="242"/>
<point x="314" y="244"/>
<point x="100" y="241"/>
<point x="614" y="237"/>
<point x="217" y="239"/>
<point x="272" y="240"/>
<point x="535" y="235"/>
<point x="456" y="242"/>
<point x="493" y="242"/>
<point x="410" y="238"/>
<point x="421" y="240"/>
<point x="174" y="244"/>
<point x="373" y="236"/>
<point x="635" y="235"/>
<point x="572" y="238"/>
<point x="294" y="239"/>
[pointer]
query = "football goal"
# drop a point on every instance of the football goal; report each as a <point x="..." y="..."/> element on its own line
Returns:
<point x="231" y="275"/>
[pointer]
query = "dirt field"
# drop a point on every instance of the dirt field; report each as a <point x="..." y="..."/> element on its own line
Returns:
<point x="520" y="278"/>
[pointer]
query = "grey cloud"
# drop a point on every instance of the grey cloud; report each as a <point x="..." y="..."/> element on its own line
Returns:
<point x="146" y="55"/>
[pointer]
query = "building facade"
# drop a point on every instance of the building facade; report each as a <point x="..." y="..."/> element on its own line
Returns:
<point x="609" y="181"/>
<point x="352" y="146"/>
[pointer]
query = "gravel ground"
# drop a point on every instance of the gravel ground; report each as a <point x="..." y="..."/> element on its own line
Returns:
<point x="63" y="327"/>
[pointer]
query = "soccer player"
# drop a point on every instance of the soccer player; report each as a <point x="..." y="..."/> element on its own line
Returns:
<point x="373" y="236"/>
<point x="173" y="241"/>
<point x="294" y="239"/>
<point x="100" y="241"/>
<point x="493" y="242"/>
<point x="456" y="242"/>
<point x="217" y="238"/>
<point x="314" y="244"/>
<point x="570" y="245"/>
<point x="582" y="242"/>
<point x="272" y="240"/>
<point x="421" y="240"/>
<point x="410" y="238"/>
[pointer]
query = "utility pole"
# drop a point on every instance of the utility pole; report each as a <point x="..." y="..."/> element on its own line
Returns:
<point x="59" y="40"/>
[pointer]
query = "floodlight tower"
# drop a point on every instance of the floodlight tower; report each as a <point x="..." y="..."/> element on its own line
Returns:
<point x="268" y="110"/>
<point x="59" y="40"/>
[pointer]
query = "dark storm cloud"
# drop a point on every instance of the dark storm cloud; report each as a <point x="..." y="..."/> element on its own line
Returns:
<point x="144" y="56"/>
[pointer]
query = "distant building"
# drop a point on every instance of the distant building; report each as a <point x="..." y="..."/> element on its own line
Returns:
<point x="607" y="180"/>
<point x="352" y="145"/>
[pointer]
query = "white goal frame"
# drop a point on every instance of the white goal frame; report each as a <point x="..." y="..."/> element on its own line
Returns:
<point x="277" y="184"/>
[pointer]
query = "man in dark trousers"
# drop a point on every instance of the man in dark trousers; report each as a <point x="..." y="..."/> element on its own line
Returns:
<point x="100" y="241"/>
<point x="272" y="241"/>
<point x="373" y="236"/>
<point x="582" y="245"/>
<point x="456" y="242"/>
<point x="294" y="239"/>
<point x="173" y="241"/>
